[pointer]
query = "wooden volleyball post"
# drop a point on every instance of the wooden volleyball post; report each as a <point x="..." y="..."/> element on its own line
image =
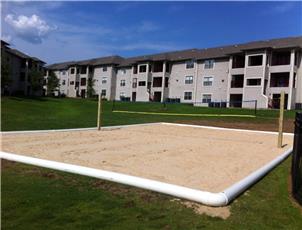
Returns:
<point x="99" y="111"/>
<point x="281" y="116"/>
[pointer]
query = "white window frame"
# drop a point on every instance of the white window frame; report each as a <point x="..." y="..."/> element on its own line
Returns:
<point x="252" y="66"/>
<point x="204" y="81"/>
<point x="190" y="80"/>
<point x="103" y="90"/>
<point x="204" y="64"/>
<point x="253" y="85"/>
<point x="206" y="94"/>
<point x="190" y="62"/>
<point x="104" y="80"/>
<point x="123" y="83"/>
<point x="185" y="95"/>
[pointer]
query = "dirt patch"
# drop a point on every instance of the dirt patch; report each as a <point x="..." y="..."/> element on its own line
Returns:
<point x="198" y="158"/>
<point x="221" y="212"/>
<point x="272" y="125"/>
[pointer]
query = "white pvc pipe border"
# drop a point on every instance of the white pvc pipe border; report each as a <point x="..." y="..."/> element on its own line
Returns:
<point x="204" y="197"/>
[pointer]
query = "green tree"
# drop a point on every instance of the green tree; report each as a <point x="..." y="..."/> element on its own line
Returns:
<point x="90" y="85"/>
<point x="52" y="83"/>
<point x="36" y="80"/>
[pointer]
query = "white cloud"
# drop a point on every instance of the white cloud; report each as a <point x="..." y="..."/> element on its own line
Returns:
<point x="6" y="38"/>
<point x="32" y="29"/>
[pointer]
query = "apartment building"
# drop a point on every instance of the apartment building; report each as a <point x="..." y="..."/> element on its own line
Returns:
<point x="229" y="76"/>
<point x="19" y="66"/>
<point x="74" y="76"/>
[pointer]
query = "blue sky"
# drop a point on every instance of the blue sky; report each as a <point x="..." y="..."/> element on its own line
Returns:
<point x="62" y="31"/>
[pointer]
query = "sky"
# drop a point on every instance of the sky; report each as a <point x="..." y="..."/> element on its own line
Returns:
<point x="64" y="31"/>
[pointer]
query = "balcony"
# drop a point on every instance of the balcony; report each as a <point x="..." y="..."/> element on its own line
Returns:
<point x="279" y="80"/>
<point x="238" y="61"/>
<point x="237" y="81"/>
<point x="280" y="58"/>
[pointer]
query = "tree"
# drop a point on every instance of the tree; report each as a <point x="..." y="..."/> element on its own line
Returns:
<point x="90" y="87"/>
<point x="52" y="83"/>
<point x="36" y="80"/>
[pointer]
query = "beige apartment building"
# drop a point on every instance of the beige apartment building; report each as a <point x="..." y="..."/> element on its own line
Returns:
<point x="19" y="66"/>
<point x="229" y="76"/>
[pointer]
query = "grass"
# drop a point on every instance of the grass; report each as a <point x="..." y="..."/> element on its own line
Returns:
<point x="51" y="113"/>
<point x="35" y="198"/>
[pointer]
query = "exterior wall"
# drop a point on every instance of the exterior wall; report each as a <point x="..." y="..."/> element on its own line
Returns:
<point x="142" y="93"/>
<point x="177" y="85"/>
<point x="218" y="90"/>
<point x="63" y="77"/>
<point x="251" y="93"/>
<point x="99" y="75"/>
<point x="299" y="81"/>
<point x="123" y="90"/>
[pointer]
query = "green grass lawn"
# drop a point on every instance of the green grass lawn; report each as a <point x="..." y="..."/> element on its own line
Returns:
<point x="51" y="113"/>
<point x="35" y="198"/>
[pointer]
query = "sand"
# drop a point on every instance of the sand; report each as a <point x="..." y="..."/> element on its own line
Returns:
<point x="199" y="158"/>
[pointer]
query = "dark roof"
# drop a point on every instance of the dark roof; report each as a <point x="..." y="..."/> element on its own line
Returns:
<point x="4" y="43"/>
<point x="62" y="65"/>
<point x="18" y="53"/>
<point x="116" y="60"/>
<point x="199" y="54"/>
<point x="38" y="60"/>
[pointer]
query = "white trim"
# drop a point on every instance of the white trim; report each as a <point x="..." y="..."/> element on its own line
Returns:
<point x="204" y="197"/>
<point x="77" y="129"/>
<point x="227" y="129"/>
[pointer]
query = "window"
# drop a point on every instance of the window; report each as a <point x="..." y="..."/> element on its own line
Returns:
<point x="188" y="96"/>
<point x="104" y="80"/>
<point x="255" y="60"/>
<point x="103" y="93"/>
<point x="123" y="83"/>
<point x="206" y="98"/>
<point x="208" y="81"/>
<point x="141" y="83"/>
<point x="134" y="83"/>
<point x="63" y="72"/>
<point x="63" y="82"/>
<point x="166" y="82"/>
<point x="72" y="71"/>
<point x="190" y="64"/>
<point x="237" y="81"/>
<point x="209" y="64"/>
<point x="83" y="70"/>
<point x="72" y="83"/>
<point x="83" y="81"/>
<point x="123" y="71"/>
<point x="189" y="80"/>
<point x="238" y="61"/>
<point x="143" y="68"/>
<point x="157" y="82"/>
<point x="105" y="69"/>
<point x="22" y="76"/>
<point x="78" y="70"/>
<point x="158" y="67"/>
<point x="253" y="82"/>
<point x="135" y="69"/>
<point x="122" y="95"/>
